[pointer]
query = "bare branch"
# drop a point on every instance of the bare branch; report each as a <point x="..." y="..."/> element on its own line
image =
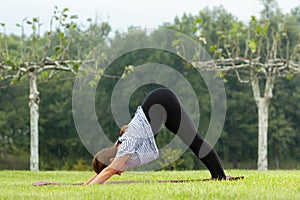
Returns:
<point x="255" y="86"/>
<point x="269" y="86"/>
<point x="239" y="77"/>
<point x="57" y="66"/>
<point x="66" y="65"/>
<point x="52" y="74"/>
<point x="279" y="67"/>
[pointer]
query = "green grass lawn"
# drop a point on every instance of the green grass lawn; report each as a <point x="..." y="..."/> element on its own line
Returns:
<point x="255" y="185"/>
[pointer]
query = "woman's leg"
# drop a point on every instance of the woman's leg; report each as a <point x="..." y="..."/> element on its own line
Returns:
<point x="163" y="107"/>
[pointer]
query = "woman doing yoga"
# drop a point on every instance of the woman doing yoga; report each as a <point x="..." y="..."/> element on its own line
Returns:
<point x="136" y="145"/>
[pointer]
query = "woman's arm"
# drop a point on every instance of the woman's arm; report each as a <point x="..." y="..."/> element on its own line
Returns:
<point x="90" y="180"/>
<point x="117" y="166"/>
<point x="122" y="130"/>
<point x="109" y="171"/>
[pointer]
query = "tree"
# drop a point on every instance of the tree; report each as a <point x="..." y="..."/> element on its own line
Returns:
<point x="266" y="53"/>
<point x="42" y="58"/>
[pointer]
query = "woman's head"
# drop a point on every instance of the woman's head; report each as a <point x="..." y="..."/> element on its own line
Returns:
<point x="102" y="158"/>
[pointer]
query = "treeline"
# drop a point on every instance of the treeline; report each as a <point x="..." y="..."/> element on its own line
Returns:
<point x="61" y="148"/>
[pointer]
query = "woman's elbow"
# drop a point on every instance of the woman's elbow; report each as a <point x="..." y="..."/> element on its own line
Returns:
<point x="111" y="171"/>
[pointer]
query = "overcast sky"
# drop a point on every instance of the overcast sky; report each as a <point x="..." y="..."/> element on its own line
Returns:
<point x="121" y="14"/>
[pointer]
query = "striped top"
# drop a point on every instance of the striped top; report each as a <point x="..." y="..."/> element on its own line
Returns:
<point x="138" y="141"/>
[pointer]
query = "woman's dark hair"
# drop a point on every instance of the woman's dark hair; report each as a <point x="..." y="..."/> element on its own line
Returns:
<point x="102" y="159"/>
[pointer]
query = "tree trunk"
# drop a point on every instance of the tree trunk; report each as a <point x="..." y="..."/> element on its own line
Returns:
<point x="34" y="117"/>
<point x="263" y="110"/>
<point x="262" y="103"/>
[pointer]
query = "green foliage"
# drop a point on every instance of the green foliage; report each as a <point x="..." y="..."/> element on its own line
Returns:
<point x="14" y="137"/>
<point x="81" y="166"/>
<point x="221" y="34"/>
<point x="253" y="45"/>
<point x="171" y="159"/>
<point x="284" y="140"/>
<point x="238" y="142"/>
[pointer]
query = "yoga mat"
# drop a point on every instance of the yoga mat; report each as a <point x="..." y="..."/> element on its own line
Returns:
<point x="42" y="183"/>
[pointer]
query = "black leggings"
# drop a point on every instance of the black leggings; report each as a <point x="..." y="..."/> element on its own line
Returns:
<point x="162" y="106"/>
